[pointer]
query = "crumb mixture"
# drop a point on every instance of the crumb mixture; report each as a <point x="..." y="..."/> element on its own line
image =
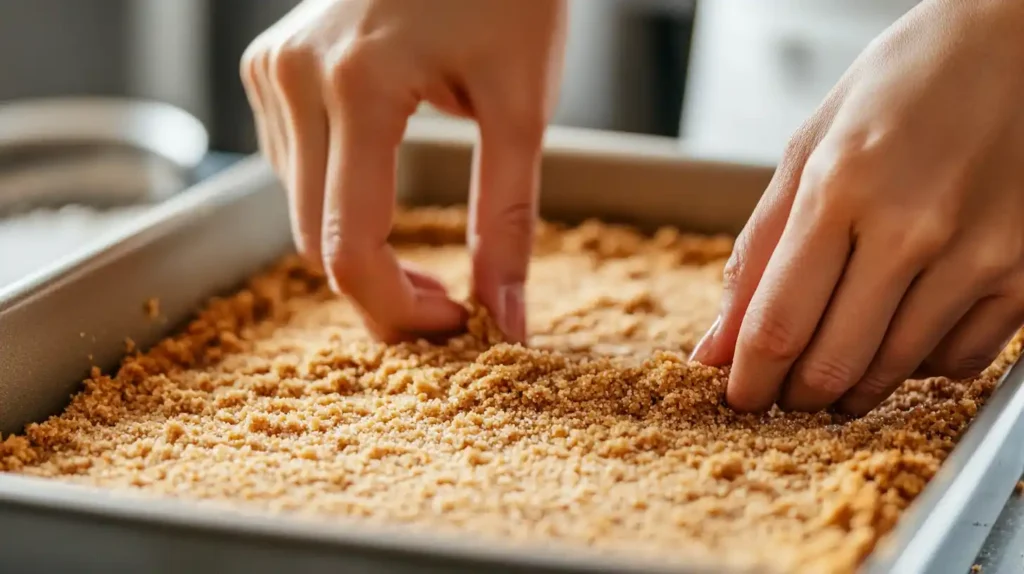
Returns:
<point x="152" y="308"/>
<point x="599" y="434"/>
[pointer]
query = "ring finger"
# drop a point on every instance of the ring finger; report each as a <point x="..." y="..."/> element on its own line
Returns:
<point x="977" y="339"/>
<point x="936" y="301"/>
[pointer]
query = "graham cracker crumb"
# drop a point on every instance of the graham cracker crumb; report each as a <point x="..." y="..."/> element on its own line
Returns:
<point x="482" y="326"/>
<point x="597" y="434"/>
<point x="152" y="308"/>
<point x="1020" y="488"/>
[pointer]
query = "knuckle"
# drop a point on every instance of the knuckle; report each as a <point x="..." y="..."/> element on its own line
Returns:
<point x="733" y="270"/>
<point x="891" y="368"/>
<point x="966" y="367"/>
<point x="506" y="234"/>
<point x="252" y="64"/>
<point x="529" y="126"/>
<point x="920" y="241"/>
<point x="930" y="234"/>
<point x="521" y="119"/>
<point x="878" y="383"/>
<point x="999" y="259"/>
<point x="290" y="60"/>
<point x="836" y="177"/>
<point x="771" y="337"/>
<point x="343" y="258"/>
<point x="517" y="219"/>
<point x="992" y="265"/>
<point x="350" y="71"/>
<point x="832" y="375"/>
<point x="1011" y="290"/>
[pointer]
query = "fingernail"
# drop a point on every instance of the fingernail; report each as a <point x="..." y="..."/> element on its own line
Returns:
<point x="705" y="341"/>
<point x="512" y="314"/>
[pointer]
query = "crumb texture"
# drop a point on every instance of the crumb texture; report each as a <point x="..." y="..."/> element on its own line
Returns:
<point x="599" y="435"/>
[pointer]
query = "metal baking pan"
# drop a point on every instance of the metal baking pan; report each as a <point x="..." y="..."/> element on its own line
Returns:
<point x="101" y="152"/>
<point x="209" y="239"/>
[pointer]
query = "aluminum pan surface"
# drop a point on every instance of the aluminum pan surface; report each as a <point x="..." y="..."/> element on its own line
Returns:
<point x="209" y="239"/>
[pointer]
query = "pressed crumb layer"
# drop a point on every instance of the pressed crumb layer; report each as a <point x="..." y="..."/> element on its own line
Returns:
<point x="599" y="434"/>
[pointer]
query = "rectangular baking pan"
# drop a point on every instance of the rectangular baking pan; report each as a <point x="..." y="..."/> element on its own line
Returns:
<point x="57" y="323"/>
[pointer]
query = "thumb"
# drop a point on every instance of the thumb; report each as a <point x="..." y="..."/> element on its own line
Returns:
<point x="503" y="213"/>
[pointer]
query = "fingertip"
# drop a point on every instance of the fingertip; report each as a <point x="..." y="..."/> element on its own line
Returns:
<point x="706" y="351"/>
<point x="511" y="313"/>
<point x="437" y="313"/>
<point x="739" y="399"/>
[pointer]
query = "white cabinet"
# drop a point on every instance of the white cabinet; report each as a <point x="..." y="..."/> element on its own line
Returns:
<point x="758" y="68"/>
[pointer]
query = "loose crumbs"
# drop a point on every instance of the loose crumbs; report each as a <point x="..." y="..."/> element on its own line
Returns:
<point x="152" y="308"/>
<point x="600" y="434"/>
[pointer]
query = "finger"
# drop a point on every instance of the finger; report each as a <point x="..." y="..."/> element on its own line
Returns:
<point x="750" y="255"/>
<point x="422" y="280"/>
<point x="503" y="213"/>
<point x="250" y="71"/>
<point x="853" y="327"/>
<point x="366" y="128"/>
<point x="788" y="304"/>
<point x="757" y="242"/>
<point x="937" y="300"/>
<point x="297" y="85"/>
<point x="274" y="132"/>
<point x="975" y="342"/>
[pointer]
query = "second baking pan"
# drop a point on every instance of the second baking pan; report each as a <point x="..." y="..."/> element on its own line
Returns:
<point x="207" y="241"/>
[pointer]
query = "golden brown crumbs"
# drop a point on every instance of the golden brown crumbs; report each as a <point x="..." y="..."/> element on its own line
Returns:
<point x="599" y="434"/>
<point x="976" y="569"/>
<point x="152" y="308"/>
<point x="1020" y="488"/>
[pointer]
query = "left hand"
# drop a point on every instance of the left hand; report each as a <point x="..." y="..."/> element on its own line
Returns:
<point x="890" y="242"/>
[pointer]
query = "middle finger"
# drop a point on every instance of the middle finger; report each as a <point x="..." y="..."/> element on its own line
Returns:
<point x="787" y="304"/>
<point x="933" y="305"/>
<point x="853" y="327"/>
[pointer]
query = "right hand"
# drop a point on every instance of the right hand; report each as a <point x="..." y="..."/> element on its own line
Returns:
<point x="332" y="85"/>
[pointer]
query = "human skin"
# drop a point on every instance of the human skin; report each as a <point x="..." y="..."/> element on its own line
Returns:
<point x="887" y="245"/>
<point x="332" y="85"/>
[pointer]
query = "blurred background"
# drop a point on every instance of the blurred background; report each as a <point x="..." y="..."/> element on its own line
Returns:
<point x="727" y="78"/>
<point x="730" y="76"/>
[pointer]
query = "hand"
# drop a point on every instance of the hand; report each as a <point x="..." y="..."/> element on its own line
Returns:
<point x="332" y="86"/>
<point x="890" y="242"/>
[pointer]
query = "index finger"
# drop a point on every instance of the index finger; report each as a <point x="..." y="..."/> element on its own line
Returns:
<point x="358" y="211"/>
<point x="787" y="305"/>
<point x="503" y="207"/>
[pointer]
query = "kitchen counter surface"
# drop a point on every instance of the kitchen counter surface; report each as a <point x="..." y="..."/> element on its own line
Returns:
<point x="1004" y="551"/>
